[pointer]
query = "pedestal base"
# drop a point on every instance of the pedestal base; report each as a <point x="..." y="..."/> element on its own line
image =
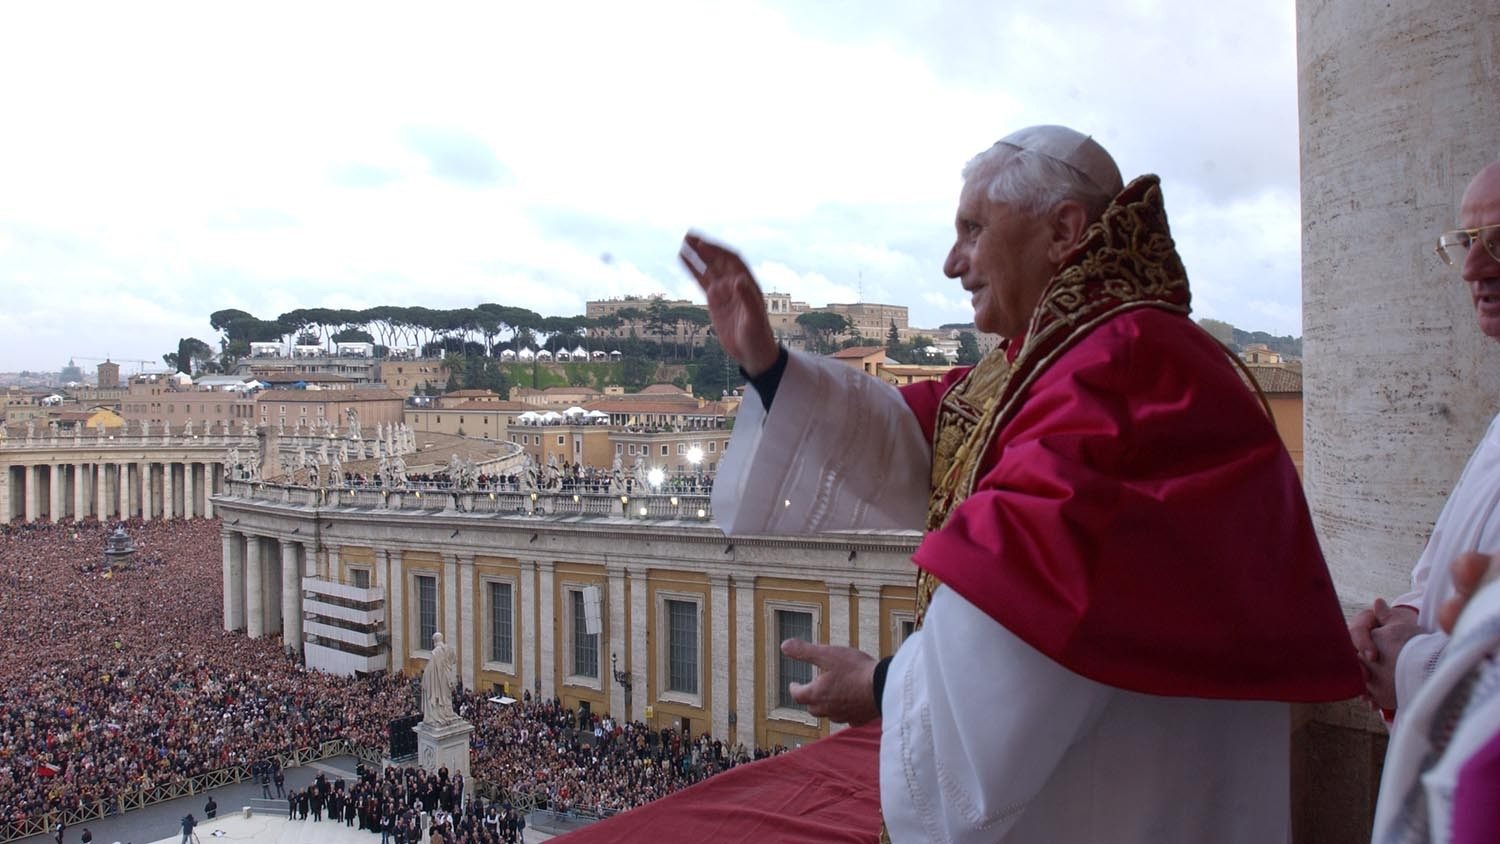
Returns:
<point x="444" y="746"/>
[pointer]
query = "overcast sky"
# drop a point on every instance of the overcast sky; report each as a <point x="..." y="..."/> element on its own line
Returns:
<point x="158" y="163"/>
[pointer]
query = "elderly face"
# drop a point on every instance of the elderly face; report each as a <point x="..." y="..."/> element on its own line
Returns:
<point x="1001" y="257"/>
<point x="1481" y="207"/>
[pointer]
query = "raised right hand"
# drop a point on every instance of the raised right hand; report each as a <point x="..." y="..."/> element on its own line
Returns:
<point x="735" y="303"/>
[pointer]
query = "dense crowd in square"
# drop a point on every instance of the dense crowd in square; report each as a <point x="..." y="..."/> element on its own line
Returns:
<point x="121" y="679"/>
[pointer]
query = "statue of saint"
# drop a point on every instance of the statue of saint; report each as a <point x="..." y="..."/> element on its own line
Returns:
<point x="529" y="475"/>
<point x="437" y="684"/>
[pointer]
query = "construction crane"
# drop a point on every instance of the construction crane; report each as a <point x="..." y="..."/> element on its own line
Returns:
<point x="140" y="365"/>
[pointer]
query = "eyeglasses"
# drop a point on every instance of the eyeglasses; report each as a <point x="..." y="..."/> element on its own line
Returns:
<point x="1453" y="247"/>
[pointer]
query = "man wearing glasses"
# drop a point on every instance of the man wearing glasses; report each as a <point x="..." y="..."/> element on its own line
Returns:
<point x="1400" y="643"/>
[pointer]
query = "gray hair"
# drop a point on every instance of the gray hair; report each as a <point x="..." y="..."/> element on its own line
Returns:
<point x="1034" y="182"/>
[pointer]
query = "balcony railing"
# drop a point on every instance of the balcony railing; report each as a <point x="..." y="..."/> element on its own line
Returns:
<point x="435" y="498"/>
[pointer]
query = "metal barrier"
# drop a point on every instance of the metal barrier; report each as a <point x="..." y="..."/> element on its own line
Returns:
<point x="140" y="798"/>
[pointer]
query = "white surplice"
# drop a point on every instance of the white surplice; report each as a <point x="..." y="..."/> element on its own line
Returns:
<point x="1451" y="717"/>
<point x="984" y="738"/>
<point x="1467" y="523"/>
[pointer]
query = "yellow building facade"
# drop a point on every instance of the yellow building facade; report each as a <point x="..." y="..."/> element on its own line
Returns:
<point x="660" y="619"/>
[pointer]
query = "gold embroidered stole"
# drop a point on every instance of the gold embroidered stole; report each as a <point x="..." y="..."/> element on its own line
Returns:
<point x="1127" y="260"/>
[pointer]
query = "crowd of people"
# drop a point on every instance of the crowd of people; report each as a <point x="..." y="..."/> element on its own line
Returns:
<point x="572" y="478"/>
<point x="584" y="763"/>
<point x="119" y="679"/>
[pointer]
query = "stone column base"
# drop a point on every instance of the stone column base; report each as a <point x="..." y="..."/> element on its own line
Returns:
<point x="445" y="746"/>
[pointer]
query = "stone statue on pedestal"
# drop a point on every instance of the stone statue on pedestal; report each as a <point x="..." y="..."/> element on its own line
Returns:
<point x="437" y="684"/>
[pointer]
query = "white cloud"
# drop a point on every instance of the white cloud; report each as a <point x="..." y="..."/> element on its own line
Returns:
<point x="178" y="158"/>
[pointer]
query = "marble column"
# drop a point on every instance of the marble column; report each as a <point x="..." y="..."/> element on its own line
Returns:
<point x="143" y="477"/>
<point x="5" y="513"/>
<point x="212" y="472"/>
<point x="189" y="491"/>
<point x="396" y="601"/>
<point x="234" y="582"/>
<point x="528" y="646"/>
<point x="747" y="681"/>
<point x="291" y="596"/>
<point x="80" y="491"/>
<point x="466" y="648"/>
<point x="255" y="589"/>
<point x="869" y="619"/>
<point x="56" y="510"/>
<point x="547" y="667"/>
<point x="33" y="475"/>
<point x="122" y="490"/>
<point x="101" y="492"/>
<point x="448" y="614"/>
<point x="168" y="490"/>
<point x="838" y="613"/>
<point x="617" y="640"/>
<point x="718" y="652"/>
<point x="640" y="665"/>
<point x="334" y="570"/>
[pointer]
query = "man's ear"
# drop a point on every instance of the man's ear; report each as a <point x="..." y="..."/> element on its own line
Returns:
<point x="1066" y="225"/>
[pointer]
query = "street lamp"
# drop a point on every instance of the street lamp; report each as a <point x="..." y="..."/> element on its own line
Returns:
<point x="622" y="678"/>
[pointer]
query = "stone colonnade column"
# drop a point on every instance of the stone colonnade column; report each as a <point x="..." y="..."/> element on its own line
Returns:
<point x="547" y="624"/>
<point x="396" y="604"/>
<point x="101" y="491"/>
<point x="143" y="476"/>
<point x="56" y="510"/>
<point x="122" y="490"/>
<point x="211" y="475"/>
<point x="718" y="652"/>
<point x="617" y="641"/>
<point x="80" y="491"/>
<point x="1396" y="116"/>
<point x="168" y="490"/>
<point x="33" y="476"/>
<point x="838" y="613"/>
<point x="869" y="619"/>
<point x="255" y="590"/>
<point x="5" y="513"/>
<point x="234" y="581"/>
<point x="640" y="694"/>
<point x="291" y="596"/>
<point x="189" y="491"/>
<point x="466" y="647"/>
<point x="746" y="679"/>
<point x="447" y="623"/>
<point x="530" y="609"/>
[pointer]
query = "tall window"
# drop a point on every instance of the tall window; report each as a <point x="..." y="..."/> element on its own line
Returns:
<point x="585" y="644"/>
<point x="791" y="624"/>
<point x="682" y="647"/>
<point x="361" y="577"/>
<point x="501" y="627"/>
<point x="426" y="610"/>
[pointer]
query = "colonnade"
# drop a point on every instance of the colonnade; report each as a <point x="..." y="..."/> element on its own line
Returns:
<point x="358" y="590"/>
<point x="54" y="487"/>
<point x="263" y="586"/>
